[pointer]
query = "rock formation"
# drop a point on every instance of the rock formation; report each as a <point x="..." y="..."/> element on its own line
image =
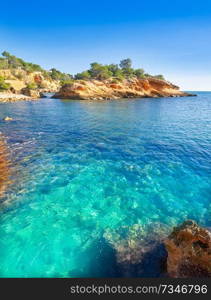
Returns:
<point x="110" y="89"/>
<point x="11" y="97"/>
<point x="19" y="79"/>
<point x="140" y="251"/>
<point x="189" y="251"/>
<point x="30" y="92"/>
<point x="4" y="166"/>
<point x="148" y="251"/>
<point x="7" y="118"/>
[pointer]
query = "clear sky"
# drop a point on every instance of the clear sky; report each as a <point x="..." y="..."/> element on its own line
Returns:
<point x="166" y="37"/>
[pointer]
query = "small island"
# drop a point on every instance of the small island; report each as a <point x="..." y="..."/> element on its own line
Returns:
<point x="20" y="80"/>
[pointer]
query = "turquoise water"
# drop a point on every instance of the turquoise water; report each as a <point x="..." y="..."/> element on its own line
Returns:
<point x="81" y="168"/>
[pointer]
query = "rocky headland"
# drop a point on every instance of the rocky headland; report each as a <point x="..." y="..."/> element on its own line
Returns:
<point x="110" y="89"/>
<point x="24" y="86"/>
<point x="21" y="80"/>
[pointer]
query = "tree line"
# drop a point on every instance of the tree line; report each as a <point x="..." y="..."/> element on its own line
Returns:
<point x="9" y="61"/>
<point x="123" y="70"/>
<point x="117" y="72"/>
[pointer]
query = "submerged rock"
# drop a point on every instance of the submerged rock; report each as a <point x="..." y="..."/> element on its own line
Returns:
<point x="4" y="166"/>
<point x="189" y="251"/>
<point x="149" y="251"/>
<point x="140" y="251"/>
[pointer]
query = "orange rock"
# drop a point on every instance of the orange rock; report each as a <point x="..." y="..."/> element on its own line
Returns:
<point x="115" y="86"/>
<point x="189" y="251"/>
<point x="128" y="88"/>
<point x="80" y="88"/>
<point x="4" y="167"/>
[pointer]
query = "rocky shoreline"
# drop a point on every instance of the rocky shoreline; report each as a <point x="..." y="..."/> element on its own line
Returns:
<point x="10" y="97"/>
<point x="111" y="89"/>
<point x="101" y="90"/>
<point x="184" y="253"/>
<point x="24" y="95"/>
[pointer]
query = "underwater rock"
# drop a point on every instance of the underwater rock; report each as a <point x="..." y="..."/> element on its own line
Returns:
<point x="140" y="251"/>
<point x="4" y="166"/>
<point x="189" y="251"/>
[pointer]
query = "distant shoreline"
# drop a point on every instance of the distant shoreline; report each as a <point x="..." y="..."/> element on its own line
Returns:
<point x="9" y="97"/>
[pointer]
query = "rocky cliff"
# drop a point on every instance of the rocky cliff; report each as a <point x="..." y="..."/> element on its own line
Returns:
<point x="19" y="79"/>
<point x="110" y="89"/>
<point x="25" y="85"/>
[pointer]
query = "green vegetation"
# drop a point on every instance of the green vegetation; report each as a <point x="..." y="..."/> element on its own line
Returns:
<point x="12" y="62"/>
<point x="69" y="81"/>
<point x="118" y="72"/>
<point x="159" y="77"/>
<point x="4" y="85"/>
<point x="8" y="61"/>
<point x="32" y="86"/>
<point x="84" y="75"/>
<point x="57" y="75"/>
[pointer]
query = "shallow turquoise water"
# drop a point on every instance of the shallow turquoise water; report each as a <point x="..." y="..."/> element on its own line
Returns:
<point x="81" y="168"/>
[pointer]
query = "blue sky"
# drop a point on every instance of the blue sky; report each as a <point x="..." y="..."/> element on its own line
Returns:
<point x="168" y="37"/>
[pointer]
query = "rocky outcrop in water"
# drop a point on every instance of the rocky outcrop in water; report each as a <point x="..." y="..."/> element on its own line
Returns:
<point x="7" y="119"/>
<point x="30" y="93"/>
<point x="189" y="251"/>
<point x="150" y="251"/>
<point x="128" y="88"/>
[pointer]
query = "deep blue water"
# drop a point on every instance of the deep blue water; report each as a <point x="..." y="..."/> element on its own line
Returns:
<point x="81" y="168"/>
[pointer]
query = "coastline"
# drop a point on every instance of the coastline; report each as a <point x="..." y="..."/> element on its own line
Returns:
<point x="102" y="90"/>
<point x="128" y="88"/>
<point x="9" y="97"/>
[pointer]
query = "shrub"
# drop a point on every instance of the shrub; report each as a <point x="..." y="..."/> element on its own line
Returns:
<point x="19" y="76"/>
<point x="4" y="85"/>
<point x="32" y="86"/>
<point x="100" y="72"/>
<point x="3" y="63"/>
<point x="83" y="75"/>
<point x="57" y="75"/>
<point x="139" y="73"/>
<point x="63" y="82"/>
<point x="161" y="77"/>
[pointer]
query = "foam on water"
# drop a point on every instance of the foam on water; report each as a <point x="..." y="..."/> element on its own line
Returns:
<point x="81" y="168"/>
